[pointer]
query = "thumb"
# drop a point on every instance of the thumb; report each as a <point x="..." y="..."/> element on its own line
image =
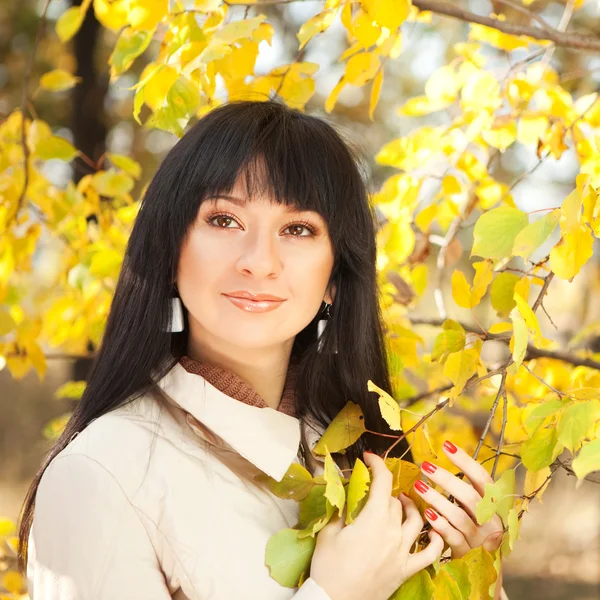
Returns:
<point x="337" y="522"/>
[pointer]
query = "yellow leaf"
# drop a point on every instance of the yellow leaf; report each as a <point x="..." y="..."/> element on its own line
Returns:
<point x="390" y="409"/>
<point x="442" y="86"/>
<point x="570" y="212"/>
<point x="519" y="339"/>
<point x="496" y="38"/>
<point x="112" y="14"/>
<point x="529" y="317"/>
<point x="126" y="163"/>
<point x="346" y="427"/>
<point x="460" y="366"/>
<point x="69" y="23"/>
<point x="361" y="68"/>
<point x="572" y="252"/>
<point x="314" y="25"/>
<point x="531" y="237"/>
<point x="147" y="14"/>
<point x="502" y="292"/>
<point x="531" y="128"/>
<point x="500" y="136"/>
<point x="129" y="46"/>
<point x="13" y="582"/>
<point x="461" y="291"/>
<point x="7" y="323"/>
<point x="364" y="29"/>
<point x="375" y="92"/>
<point x="502" y="327"/>
<point x="58" y="80"/>
<point x="481" y="281"/>
<point x="236" y="30"/>
<point x="481" y="90"/>
<point x="56" y="147"/>
<point x="388" y="13"/>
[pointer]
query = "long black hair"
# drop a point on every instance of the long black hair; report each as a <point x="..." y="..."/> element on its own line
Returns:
<point x="310" y="165"/>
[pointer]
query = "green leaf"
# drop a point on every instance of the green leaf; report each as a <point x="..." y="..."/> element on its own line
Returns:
<point x="576" y="421"/>
<point x="451" y="339"/>
<point x="288" y="556"/>
<point x="295" y="485"/>
<point x="495" y="232"/>
<point x="417" y="587"/>
<point x="498" y="499"/>
<point x="347" y="426"/>
<point x="357" y="490"/>
<point x="315" y="510"/>
<point x="531" y="237"/>
<point x="588" y="460"/>
<point x="541" y="450"/>
<point x="129" y="46"/>
<point x="536" y="418"/>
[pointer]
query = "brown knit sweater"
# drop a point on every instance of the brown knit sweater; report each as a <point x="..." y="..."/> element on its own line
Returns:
<point x="235" y="387"/>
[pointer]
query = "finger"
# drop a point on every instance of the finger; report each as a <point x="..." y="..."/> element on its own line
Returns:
<point x="411" y="528"/>
<point x="336" y="523"/>
<point x="476" y="472"/>
<point x="454" y="538"/>
<point x="454" y="514"/>
<point x="378" y="502"/>
<point x="420" y="560"/>
<point x="465" y="493"/>
<point x="493" y="540"/>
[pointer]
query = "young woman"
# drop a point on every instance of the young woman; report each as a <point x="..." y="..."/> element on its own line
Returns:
<point x="214" y="368"/>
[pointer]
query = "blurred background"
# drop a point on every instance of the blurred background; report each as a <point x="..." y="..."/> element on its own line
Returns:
<point x="558" y="555"/>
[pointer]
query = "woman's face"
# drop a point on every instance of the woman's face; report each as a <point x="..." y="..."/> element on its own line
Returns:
<point x="242" y="244"/>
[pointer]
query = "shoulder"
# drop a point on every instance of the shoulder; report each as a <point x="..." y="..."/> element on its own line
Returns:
<point x="118" y="444"/>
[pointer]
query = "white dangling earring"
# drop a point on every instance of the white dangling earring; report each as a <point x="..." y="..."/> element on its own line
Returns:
<point x="322" y="323"/>
<point x="176" y="315"/>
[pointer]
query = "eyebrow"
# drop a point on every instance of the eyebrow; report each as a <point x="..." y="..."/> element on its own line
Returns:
<point x="243" y="202"/>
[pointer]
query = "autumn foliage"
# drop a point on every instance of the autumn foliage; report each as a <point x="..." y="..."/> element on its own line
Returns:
<point x="541" y="400"/>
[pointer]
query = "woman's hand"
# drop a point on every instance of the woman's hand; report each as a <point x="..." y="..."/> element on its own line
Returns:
<point x="457" y="524"/>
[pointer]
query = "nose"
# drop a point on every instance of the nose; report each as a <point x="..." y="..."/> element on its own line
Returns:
<point x="260" y="254"/>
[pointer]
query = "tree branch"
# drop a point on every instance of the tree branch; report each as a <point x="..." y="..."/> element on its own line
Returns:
<point x="577" y="41"/>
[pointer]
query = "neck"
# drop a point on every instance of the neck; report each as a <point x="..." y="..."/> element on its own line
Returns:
<point x="265" y="373"/>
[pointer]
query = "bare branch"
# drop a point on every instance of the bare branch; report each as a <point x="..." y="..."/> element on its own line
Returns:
<point x="574" y="40"/>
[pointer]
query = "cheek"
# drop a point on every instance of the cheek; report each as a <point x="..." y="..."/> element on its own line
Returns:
<point x="196" y="268"/>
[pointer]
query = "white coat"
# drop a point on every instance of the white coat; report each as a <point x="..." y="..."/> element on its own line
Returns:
<point x="146" y="503"/>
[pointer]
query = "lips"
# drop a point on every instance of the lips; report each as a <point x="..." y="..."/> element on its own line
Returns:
<point x="247" y="295"/>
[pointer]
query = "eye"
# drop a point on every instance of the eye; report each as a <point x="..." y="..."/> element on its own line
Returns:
<point x="303" y="225"/>
<point x="220" y="216"/>
<point x="229" y="218"/>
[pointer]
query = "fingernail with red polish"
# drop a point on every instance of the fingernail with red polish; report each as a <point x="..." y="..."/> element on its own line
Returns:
<point x="421" y="486"/>
<point x="428" y="467"/>
<point x="430" y="514"/>
<point x="450" y="447"/>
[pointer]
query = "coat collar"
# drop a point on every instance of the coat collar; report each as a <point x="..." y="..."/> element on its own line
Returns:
<point x="268" y="438"/>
